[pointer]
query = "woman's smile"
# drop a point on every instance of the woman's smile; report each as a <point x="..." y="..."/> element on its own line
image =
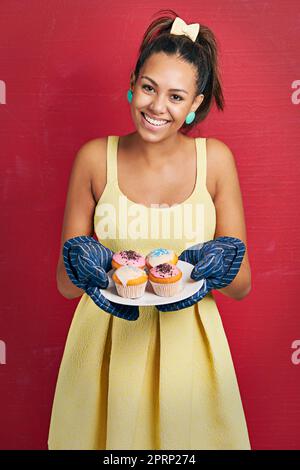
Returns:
<point x="154" y="124"/>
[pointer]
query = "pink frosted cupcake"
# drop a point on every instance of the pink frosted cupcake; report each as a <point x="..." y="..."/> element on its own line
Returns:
<point x="130" y="281"/>
<point x="166" y="279"/>
<point x="128" y="258"/>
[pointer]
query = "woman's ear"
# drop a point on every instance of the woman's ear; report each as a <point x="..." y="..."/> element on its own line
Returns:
<point x="197" y="102"/>
<point x="132" y="79"/>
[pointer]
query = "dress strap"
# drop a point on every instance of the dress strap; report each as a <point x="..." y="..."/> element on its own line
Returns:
<point x="201" y="163"/>
<point x="111" y="158"/>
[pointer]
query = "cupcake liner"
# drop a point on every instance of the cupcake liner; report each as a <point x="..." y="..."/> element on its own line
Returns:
<point x="167" y="290"/>
<point x="131" y="292"/>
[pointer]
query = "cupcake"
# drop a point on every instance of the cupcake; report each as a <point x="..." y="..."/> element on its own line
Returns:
<point x="130" y="281"/>
<point x="166" y="279"/>
<point x="128" y="258"/>
<point x="160" y="256"/>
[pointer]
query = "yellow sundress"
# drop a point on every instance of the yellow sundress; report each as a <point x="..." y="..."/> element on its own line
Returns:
<point x="167" y="380"/>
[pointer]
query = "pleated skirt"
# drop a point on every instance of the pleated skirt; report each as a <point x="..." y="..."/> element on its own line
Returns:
<point x="165" y="381"/>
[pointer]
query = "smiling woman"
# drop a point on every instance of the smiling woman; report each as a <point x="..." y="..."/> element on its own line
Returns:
<point x="192" y="72"/>
<point x="158" y="104"/>
<point x="155" y="376"/>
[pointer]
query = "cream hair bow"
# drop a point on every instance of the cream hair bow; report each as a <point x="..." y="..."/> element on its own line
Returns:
<point x="179" y="26"/>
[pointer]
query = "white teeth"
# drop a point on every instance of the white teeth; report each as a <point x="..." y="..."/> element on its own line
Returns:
<point x="154" y="121"/>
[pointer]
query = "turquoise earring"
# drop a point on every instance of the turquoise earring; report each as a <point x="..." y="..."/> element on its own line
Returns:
<point x="190" y="117"/>
<point x="129" y="96"/>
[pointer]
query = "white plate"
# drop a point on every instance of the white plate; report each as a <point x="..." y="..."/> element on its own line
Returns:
<point x="190" y="287"/>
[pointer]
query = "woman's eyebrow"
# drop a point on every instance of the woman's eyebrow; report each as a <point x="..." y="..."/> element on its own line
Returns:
<point x="170" y="89"/>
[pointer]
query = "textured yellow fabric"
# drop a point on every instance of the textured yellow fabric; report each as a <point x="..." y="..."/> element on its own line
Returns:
<point x="165" y="381"/>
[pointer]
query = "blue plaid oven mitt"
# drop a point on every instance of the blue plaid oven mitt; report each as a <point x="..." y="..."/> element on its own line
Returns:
<point x="216" y="261"/>
<point x="87" y="262"/>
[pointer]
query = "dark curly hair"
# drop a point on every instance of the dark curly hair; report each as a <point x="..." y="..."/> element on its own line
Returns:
<point x="202" y="54"/>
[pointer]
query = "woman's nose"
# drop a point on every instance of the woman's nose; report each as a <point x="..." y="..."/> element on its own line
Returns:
<point x="158" y="105"/>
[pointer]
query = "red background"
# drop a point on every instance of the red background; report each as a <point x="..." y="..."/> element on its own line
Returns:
<point x="66" y="66"/>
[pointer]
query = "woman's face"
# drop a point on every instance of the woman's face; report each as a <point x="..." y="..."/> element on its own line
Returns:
<point x="166" y="95"/>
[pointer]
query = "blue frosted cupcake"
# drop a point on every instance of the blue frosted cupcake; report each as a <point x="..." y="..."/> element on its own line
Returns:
<point x="160" y="256"/>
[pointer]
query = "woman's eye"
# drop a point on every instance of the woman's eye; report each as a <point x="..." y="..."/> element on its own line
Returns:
<point x="149" y="86"/>
<point x="180" y="99"/>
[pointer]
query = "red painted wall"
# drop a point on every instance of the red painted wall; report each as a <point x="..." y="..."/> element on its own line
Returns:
<point x="64" y="73"/>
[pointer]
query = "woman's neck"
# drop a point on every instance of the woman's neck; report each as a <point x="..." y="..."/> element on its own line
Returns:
<point x="154" y="153"/>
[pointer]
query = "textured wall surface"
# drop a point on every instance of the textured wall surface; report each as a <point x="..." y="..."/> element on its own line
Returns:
<point x="64" y="73"/>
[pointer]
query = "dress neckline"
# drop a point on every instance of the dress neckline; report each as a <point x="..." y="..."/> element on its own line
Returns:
<point x="153" y="207"/>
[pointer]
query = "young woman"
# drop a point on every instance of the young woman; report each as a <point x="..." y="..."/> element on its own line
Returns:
<point x="154" y="377"/>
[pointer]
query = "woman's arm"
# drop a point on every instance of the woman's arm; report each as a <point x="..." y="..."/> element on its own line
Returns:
<point x="230" y="220"/>
<point x="79" y="208"/>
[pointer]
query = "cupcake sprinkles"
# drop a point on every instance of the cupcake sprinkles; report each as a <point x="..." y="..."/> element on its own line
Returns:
<point x="128" y="258"/>
<point x="166" y="270"/>
<point x="129" y="255"/>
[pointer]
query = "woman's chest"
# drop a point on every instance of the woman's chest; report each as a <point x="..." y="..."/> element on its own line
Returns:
<point x="167" y="184"/>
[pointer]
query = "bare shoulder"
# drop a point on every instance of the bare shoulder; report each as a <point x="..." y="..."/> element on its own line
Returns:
<point x="94" y="149"/>
<point x="220" y="163"/>
<point x="218" y="152"/>
<point x="93" y="153"/>
<point x="217" y="156"/>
